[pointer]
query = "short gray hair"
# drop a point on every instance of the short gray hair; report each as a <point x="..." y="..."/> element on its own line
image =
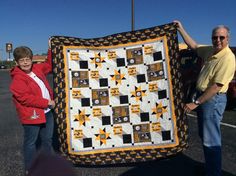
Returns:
<point x="219" y="27"/>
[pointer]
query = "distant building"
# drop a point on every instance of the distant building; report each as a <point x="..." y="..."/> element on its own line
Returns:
<point x="182" y="46"/>
<point x="39" y="58"/>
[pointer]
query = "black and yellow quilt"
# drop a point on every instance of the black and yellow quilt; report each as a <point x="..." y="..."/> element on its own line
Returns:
<point x="119" y="97"/>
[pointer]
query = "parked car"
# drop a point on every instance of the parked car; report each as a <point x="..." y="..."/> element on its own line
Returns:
<point x="231" y="94"/>
<point x="190" y="67"/>
<point x="3" y="67"/>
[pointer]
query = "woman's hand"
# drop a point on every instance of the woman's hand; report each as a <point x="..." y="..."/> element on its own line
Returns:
<point x="51" y="104"/>
<point x="49" y="43"/>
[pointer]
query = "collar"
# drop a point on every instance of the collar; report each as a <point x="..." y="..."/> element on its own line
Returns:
<point x="220" y="53"/>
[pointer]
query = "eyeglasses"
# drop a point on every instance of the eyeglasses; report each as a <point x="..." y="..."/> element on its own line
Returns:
<point x="220" y="37"/>
<point x="23" y="60"/>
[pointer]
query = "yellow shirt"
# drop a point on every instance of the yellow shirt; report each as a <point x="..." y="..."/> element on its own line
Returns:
<point x="218" y="68"/>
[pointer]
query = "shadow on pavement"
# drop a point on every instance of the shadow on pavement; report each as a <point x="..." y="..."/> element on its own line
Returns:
<point x="177" y="165"/>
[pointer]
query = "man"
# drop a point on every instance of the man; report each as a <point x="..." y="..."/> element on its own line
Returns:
<point x="212" y="84"/>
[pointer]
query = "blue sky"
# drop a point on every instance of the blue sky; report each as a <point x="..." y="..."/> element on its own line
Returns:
<point x="32" y="22"/>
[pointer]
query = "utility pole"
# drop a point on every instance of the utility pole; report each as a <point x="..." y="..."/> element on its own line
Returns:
<point x="132" y="18"/>
<point x="1" y="51"/>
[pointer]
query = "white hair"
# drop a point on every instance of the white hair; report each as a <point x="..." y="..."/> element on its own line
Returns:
<point x="219" y="27"/>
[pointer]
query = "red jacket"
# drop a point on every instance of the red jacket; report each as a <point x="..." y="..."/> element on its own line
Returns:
<point x="27" y="95"/>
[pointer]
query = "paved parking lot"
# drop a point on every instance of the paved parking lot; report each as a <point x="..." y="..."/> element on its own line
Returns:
<point x="181" y="164"/>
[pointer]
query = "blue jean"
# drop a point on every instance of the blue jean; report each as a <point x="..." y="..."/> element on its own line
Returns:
<point x="210" y="115"/>
<point x="32" y="133"/>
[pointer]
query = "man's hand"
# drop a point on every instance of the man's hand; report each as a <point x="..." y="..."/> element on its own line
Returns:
<point x="187" y="39"/>
<point x="189" y="107"/>
<point x="179" y="25"/>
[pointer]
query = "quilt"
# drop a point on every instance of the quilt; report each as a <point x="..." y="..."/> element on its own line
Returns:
<point x="119" y="98"/>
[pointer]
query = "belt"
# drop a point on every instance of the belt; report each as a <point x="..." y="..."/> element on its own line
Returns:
<point x="219" y="93"/>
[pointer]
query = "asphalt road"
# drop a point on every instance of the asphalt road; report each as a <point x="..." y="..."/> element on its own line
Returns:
<point x="185" y="163"/>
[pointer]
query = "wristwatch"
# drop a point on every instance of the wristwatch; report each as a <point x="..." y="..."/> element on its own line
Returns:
<point x="196" y="102"/>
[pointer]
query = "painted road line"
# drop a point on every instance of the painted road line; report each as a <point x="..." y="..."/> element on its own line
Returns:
<point x="222" y="123"/>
